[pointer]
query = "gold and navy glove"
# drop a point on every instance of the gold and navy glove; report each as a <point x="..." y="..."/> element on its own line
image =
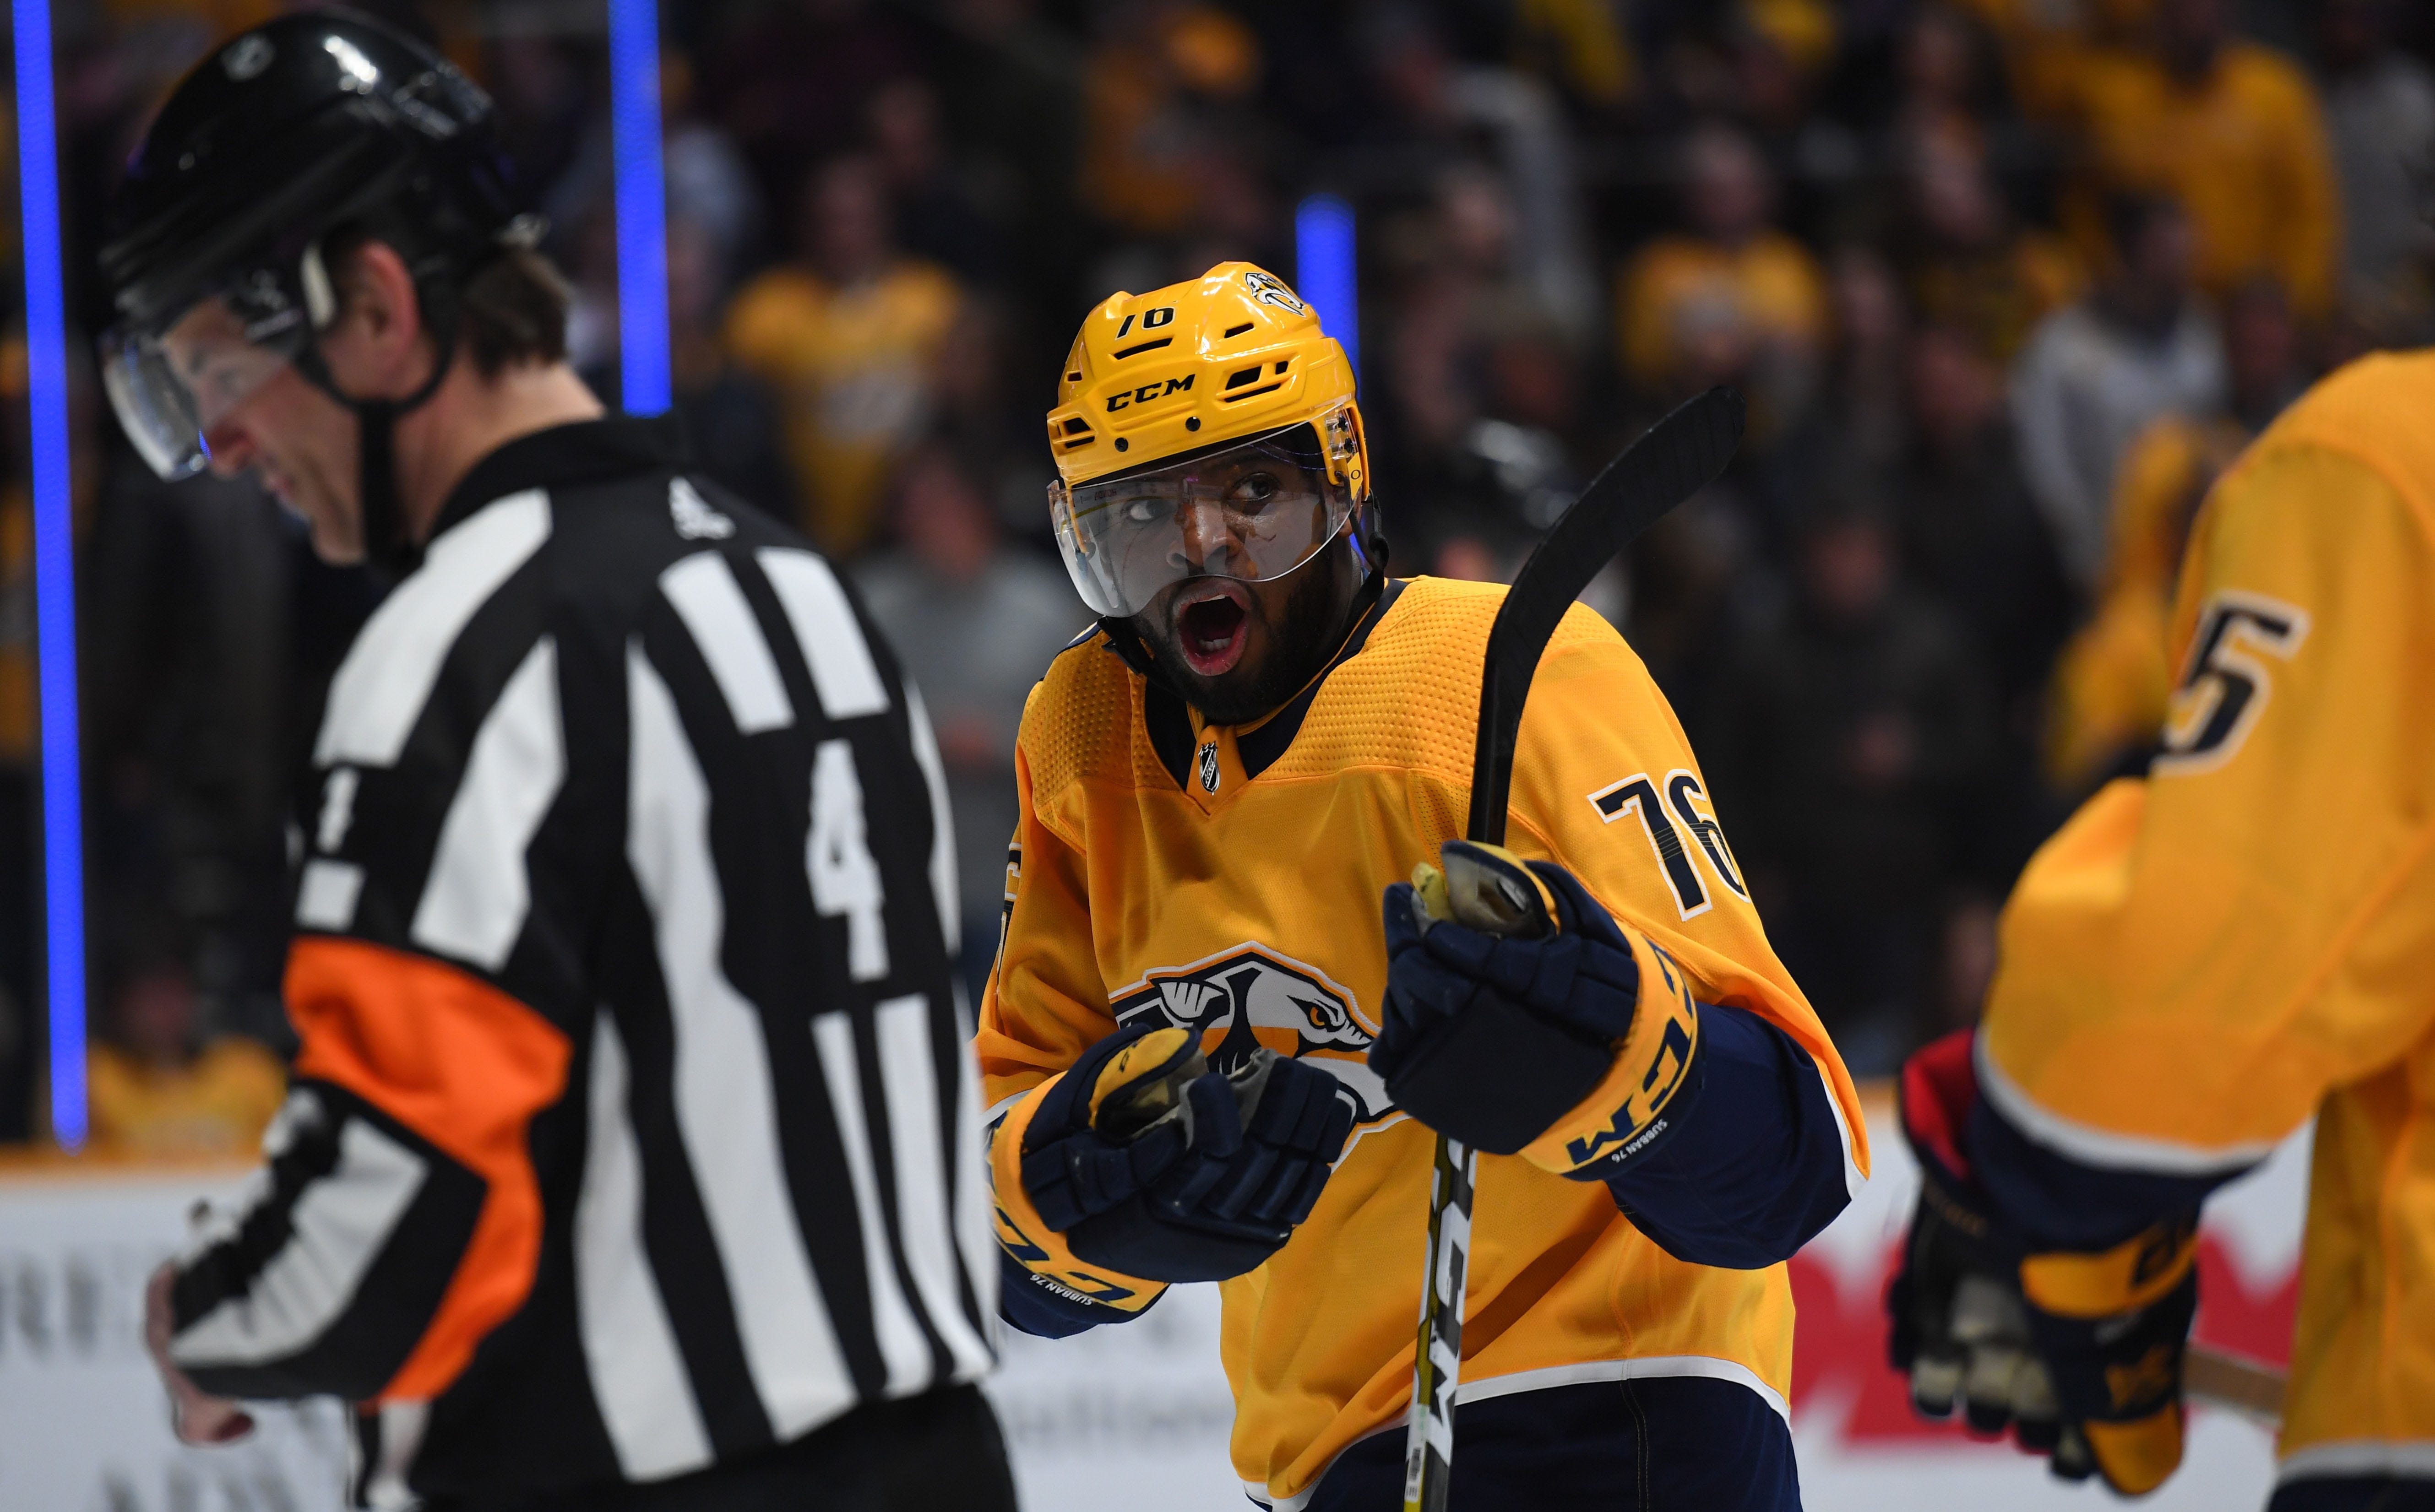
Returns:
<point x="2079" y="1354"/>
<point x="1522" y="1019"/>
<point x="1150" y="1164"/>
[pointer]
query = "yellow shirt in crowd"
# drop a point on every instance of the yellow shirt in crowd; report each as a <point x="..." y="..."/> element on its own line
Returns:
<point x="852" y="369"/>
<point x="1769" y="288"/>
<point x="2245" y="153"/>
<point x="217" y="1105"/>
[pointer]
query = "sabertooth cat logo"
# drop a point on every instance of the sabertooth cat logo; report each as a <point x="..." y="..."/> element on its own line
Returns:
<point x="1269" y="289"/>
<point x="1251" y="996"/>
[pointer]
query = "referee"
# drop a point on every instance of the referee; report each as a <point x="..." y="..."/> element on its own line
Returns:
<point x="631" y="1160"/>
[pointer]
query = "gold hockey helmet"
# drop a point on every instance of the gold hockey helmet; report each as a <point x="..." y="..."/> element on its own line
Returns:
<point x="1168" y="402"/>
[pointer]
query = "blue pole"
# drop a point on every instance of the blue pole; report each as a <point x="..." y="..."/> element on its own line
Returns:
<point x="46" y="361"/>
<point x="1323" y="271"/>
<point x="642" y="206"/>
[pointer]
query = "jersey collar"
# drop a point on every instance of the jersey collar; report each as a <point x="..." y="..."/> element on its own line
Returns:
<point x="1170" y="722"/>
<point x="589" y="451"/>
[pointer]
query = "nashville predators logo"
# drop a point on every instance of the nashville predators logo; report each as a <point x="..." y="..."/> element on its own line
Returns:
<point x="1251" y="996"/>
<point x="1269" y="289"/>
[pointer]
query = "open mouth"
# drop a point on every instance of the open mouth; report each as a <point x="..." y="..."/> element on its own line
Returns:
<point x="1210" y="631"/>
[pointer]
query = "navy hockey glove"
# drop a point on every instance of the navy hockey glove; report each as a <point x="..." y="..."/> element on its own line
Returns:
<point x="2079" y="1354"/>
<point x="1516" y="1018"/>
<point x="1153" y="1164"/>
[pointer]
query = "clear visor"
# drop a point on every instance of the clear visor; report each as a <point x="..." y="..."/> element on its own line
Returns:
<point x="172" y="385"/>
<point x="1250" y="512"/>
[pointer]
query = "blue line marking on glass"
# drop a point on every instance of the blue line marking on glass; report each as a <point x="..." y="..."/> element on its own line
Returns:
<point x="1323" y="271"/>
<point x="46" y="359"/>
<point x="642" y="206"/>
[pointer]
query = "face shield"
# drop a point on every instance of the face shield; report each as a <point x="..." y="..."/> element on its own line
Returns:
<point x="172" y="381"/>
<point x="1253" y="512"/>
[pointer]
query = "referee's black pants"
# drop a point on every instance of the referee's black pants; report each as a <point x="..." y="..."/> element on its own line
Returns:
<point x="940" y="1451"/>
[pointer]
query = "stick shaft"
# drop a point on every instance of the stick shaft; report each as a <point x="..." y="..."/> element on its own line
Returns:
<point x="1678" y="456"/>
<point x="2222" y="1380"/>
<point x="1428" y="1453"/>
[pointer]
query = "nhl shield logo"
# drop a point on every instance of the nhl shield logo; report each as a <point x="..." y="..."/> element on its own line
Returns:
<point x="1209" y="768"/>
<point x="1251" y="996"/>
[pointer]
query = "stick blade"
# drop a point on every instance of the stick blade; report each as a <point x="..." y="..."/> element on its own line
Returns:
<point x="1672" y="460"/>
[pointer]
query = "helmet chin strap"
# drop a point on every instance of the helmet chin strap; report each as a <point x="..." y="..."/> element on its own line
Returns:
<point x="388" y="542"/>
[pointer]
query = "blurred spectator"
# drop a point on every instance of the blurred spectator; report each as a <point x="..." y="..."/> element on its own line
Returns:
<point x="1584" y="46"/>
<point x="2094" y="375"/>
<point x="1853" y="736"/>
<point x="791" y="81"/>
<point x="936" y="216"/>
<point x="542" y="84"/>
<point x="2109" y="690"/>
<point x="1009" y="85"/>
<point x="710" y="187"/>
<point x="1970" y="535"/>
<point x="159" y="1086"/>
<point x="847" y="337"/>
<point x="1443" y="117"/>
<point x="2381" y="109"/>
<point x="1731" y="276"/>
<point x="974" y="624"/>
<point x="1969" y="266"/>
<point x="1945" y="67"/>
<point x="1159" y="92"/>
<point x="2231" y="129"/>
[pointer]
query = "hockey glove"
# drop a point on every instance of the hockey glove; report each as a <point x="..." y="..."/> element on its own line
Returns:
<point x="2079" y="1354"/>
<point x="1153" y="1164"/>
<point x="1516" y="1018"/>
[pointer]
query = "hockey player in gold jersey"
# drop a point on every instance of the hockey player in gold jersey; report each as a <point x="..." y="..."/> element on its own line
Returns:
<point x="2201" y="961"/>
<point x="1223" y="787"/>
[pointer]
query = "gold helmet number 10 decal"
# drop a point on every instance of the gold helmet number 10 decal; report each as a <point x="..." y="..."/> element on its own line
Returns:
<point x="1151" y="320"/>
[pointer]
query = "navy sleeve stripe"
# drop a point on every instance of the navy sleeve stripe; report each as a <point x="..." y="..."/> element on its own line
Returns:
<point x="1755" y="1160"/>
<point x="2060" y="1204"/>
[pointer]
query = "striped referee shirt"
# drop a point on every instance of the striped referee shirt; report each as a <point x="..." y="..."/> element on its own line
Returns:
<point x="633" y="1128"/>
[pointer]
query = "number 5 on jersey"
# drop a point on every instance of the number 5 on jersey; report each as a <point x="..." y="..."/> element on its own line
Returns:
<point x="2226" y="686"/>
<point x="1637" y="794"/>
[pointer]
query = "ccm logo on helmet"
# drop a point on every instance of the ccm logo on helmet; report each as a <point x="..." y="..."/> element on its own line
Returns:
<point x="1149" y="392"/>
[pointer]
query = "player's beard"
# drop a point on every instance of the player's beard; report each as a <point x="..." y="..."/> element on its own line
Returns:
<point x="1301" y="639"/>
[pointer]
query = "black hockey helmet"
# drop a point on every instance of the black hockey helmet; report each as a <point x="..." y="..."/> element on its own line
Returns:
<point x="320" y="122"/>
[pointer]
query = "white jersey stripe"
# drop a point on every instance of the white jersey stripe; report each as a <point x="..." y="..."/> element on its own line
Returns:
<point x="475" y="899"/>
<point x="381" y="687"/>
<point x="824" y="626"/>
<point x="2103" y="1149"/>
<point x="338" y="1227"/>
<point x="942" y="819"/>
<point x="638" y="1375"/>
<point x="706" y="596"/>
<point x="725" y="1113"/>
<point x="325" y="895"/>
<point x="905" y="1352"/>
<point x="908" y="1078"/>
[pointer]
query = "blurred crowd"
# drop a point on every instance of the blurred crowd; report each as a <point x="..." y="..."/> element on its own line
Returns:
<point x="2007" y="283"/>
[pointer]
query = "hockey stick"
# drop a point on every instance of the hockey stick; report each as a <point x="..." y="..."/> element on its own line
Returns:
<point x="1673" y="460"/>
<point x="2222" y="1380"/>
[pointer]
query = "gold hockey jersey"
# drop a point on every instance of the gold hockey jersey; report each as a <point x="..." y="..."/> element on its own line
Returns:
<point x="2202" y="959"/>
<point x="1231" y="878"/>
